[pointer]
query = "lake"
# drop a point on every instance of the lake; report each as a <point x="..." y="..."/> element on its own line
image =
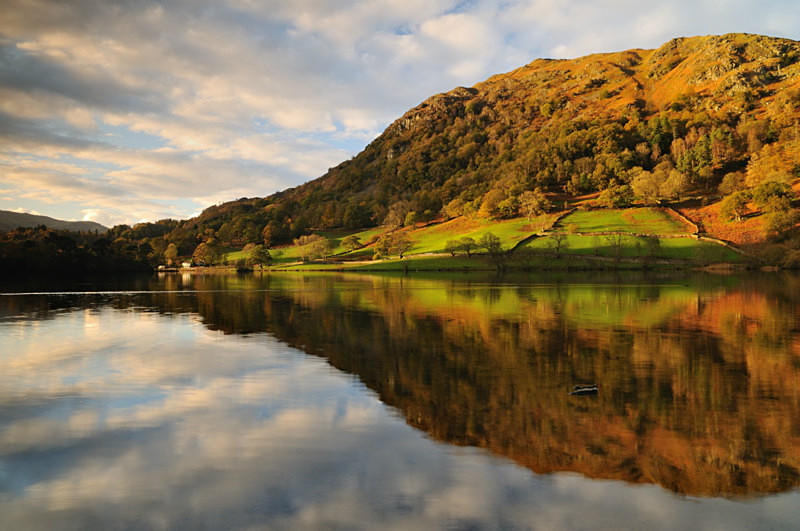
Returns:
<point x="289" y="401"/>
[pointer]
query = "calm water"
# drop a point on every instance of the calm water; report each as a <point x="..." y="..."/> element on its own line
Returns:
<point x="317" y="402"/>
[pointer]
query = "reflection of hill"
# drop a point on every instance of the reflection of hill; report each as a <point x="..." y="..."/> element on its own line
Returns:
<point x="683" y="403"/>
<point x="699" y="385"/>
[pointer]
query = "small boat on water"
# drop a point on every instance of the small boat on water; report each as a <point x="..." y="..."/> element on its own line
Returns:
<point x="584" y="390"/>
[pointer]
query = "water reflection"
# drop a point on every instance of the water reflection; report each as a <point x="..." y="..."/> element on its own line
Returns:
<point x="698" y="382"/>
<point x="182" y="402"/>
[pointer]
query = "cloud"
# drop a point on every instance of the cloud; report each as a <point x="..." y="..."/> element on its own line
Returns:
<point x="271" y="94"/>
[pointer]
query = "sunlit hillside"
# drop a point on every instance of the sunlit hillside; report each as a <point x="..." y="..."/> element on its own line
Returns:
<point x="708" y="126"/>
<point x="700" y="118"/>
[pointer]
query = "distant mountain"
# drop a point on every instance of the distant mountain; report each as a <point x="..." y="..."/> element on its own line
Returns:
<point x="12" y="220"/>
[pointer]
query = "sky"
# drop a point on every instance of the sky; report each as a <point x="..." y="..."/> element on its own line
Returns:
<point x="134" y="110"/>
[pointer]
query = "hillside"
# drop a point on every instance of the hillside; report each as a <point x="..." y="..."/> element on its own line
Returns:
<point x="12" y="220"/>
<point x="708" y="127"/>
<point x="698" y="117"/>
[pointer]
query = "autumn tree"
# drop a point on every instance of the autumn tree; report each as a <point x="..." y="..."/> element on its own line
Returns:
<point x="534" y="203"/>
<point x="734" y="207"/>
<point x="772" y="196"/>
<point x="357" y="216"/>
<point x="491" y="202"/>
<point x="646" y="186"/>
<point x="397" y="213"/>
<point x="206" y="253"/>
<point x="171" y="254"/>
<point x="675" y="185"/>
<point x="616" y="196"/>
<point x="780" y="225"/>
<point x="454" y="208"/>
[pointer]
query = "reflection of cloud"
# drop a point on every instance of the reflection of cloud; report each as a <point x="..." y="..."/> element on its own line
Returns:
<point x="117" y="418"/>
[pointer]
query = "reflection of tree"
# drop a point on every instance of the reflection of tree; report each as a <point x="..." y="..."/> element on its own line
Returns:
<point x="491" y="369"/>
<point x="698" y="386"/>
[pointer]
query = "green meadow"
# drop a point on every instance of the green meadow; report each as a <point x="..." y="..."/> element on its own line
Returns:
<point x="589" y="239"/>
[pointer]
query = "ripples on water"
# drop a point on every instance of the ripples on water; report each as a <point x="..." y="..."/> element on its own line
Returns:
<point x="364" y="402"/>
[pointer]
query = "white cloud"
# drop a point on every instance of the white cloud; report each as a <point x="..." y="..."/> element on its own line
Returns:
<point x="270" y="94"/>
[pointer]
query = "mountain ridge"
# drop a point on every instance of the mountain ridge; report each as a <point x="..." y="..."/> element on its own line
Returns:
<point x="10" y="220"/>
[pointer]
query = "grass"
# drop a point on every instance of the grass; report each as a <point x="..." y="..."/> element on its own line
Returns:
<point x="684" y="248"/>
<point x="582" y="247"/>
<point x="643" y="220"/>
<point x="434" y="238"/>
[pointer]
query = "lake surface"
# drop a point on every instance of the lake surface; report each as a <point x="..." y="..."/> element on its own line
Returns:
<point x="364" y="402"/>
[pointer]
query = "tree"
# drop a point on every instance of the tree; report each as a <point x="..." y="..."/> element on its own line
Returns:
<point x="411" y="219"/>
<point x="491" y="243"/>
<point x="780" y="224"/>
<point x="772" y="196"/>
<point x="616" y="196"/>
<point x="734" y="206"/>
<point x="259" y="255"/>
<point x="274" y="233"/>
<point x="454" y="208"/>
<point x="558" y="241"/>
<point x="468" y="245"/>
<point x="393" y="243"/>
<point x="652" y="246"/>
<point x="351" y="243"/>
<point x="402" y="244"/>
<point x="508" y="207"/>
<point x="452" y="247"/>
<point x="306" y="247"/>
<point x="534" y="203"/>
<point x="321" y="248"/>
<point x="646" y="186"/>
<point x="205" y="253"/>
<point x="675" y="185"/>
<point x="615" y="241"/>
<point x="357" y="216"/>
<point x="732" y="182"/>
<point x="171" y="254"/>
<point x="396" y="215"/>
<point x="491" y="202"/>
<point x="494" y="248"/>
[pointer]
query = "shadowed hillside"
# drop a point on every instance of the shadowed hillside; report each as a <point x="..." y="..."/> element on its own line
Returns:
<point x="13" y="220"/>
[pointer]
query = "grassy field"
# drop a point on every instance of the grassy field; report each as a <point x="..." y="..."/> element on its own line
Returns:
<point x="434" y="238"/>
<point x="643" y="220"/>
<point x="684" y="248"/>
<point x="584" y="243"/>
